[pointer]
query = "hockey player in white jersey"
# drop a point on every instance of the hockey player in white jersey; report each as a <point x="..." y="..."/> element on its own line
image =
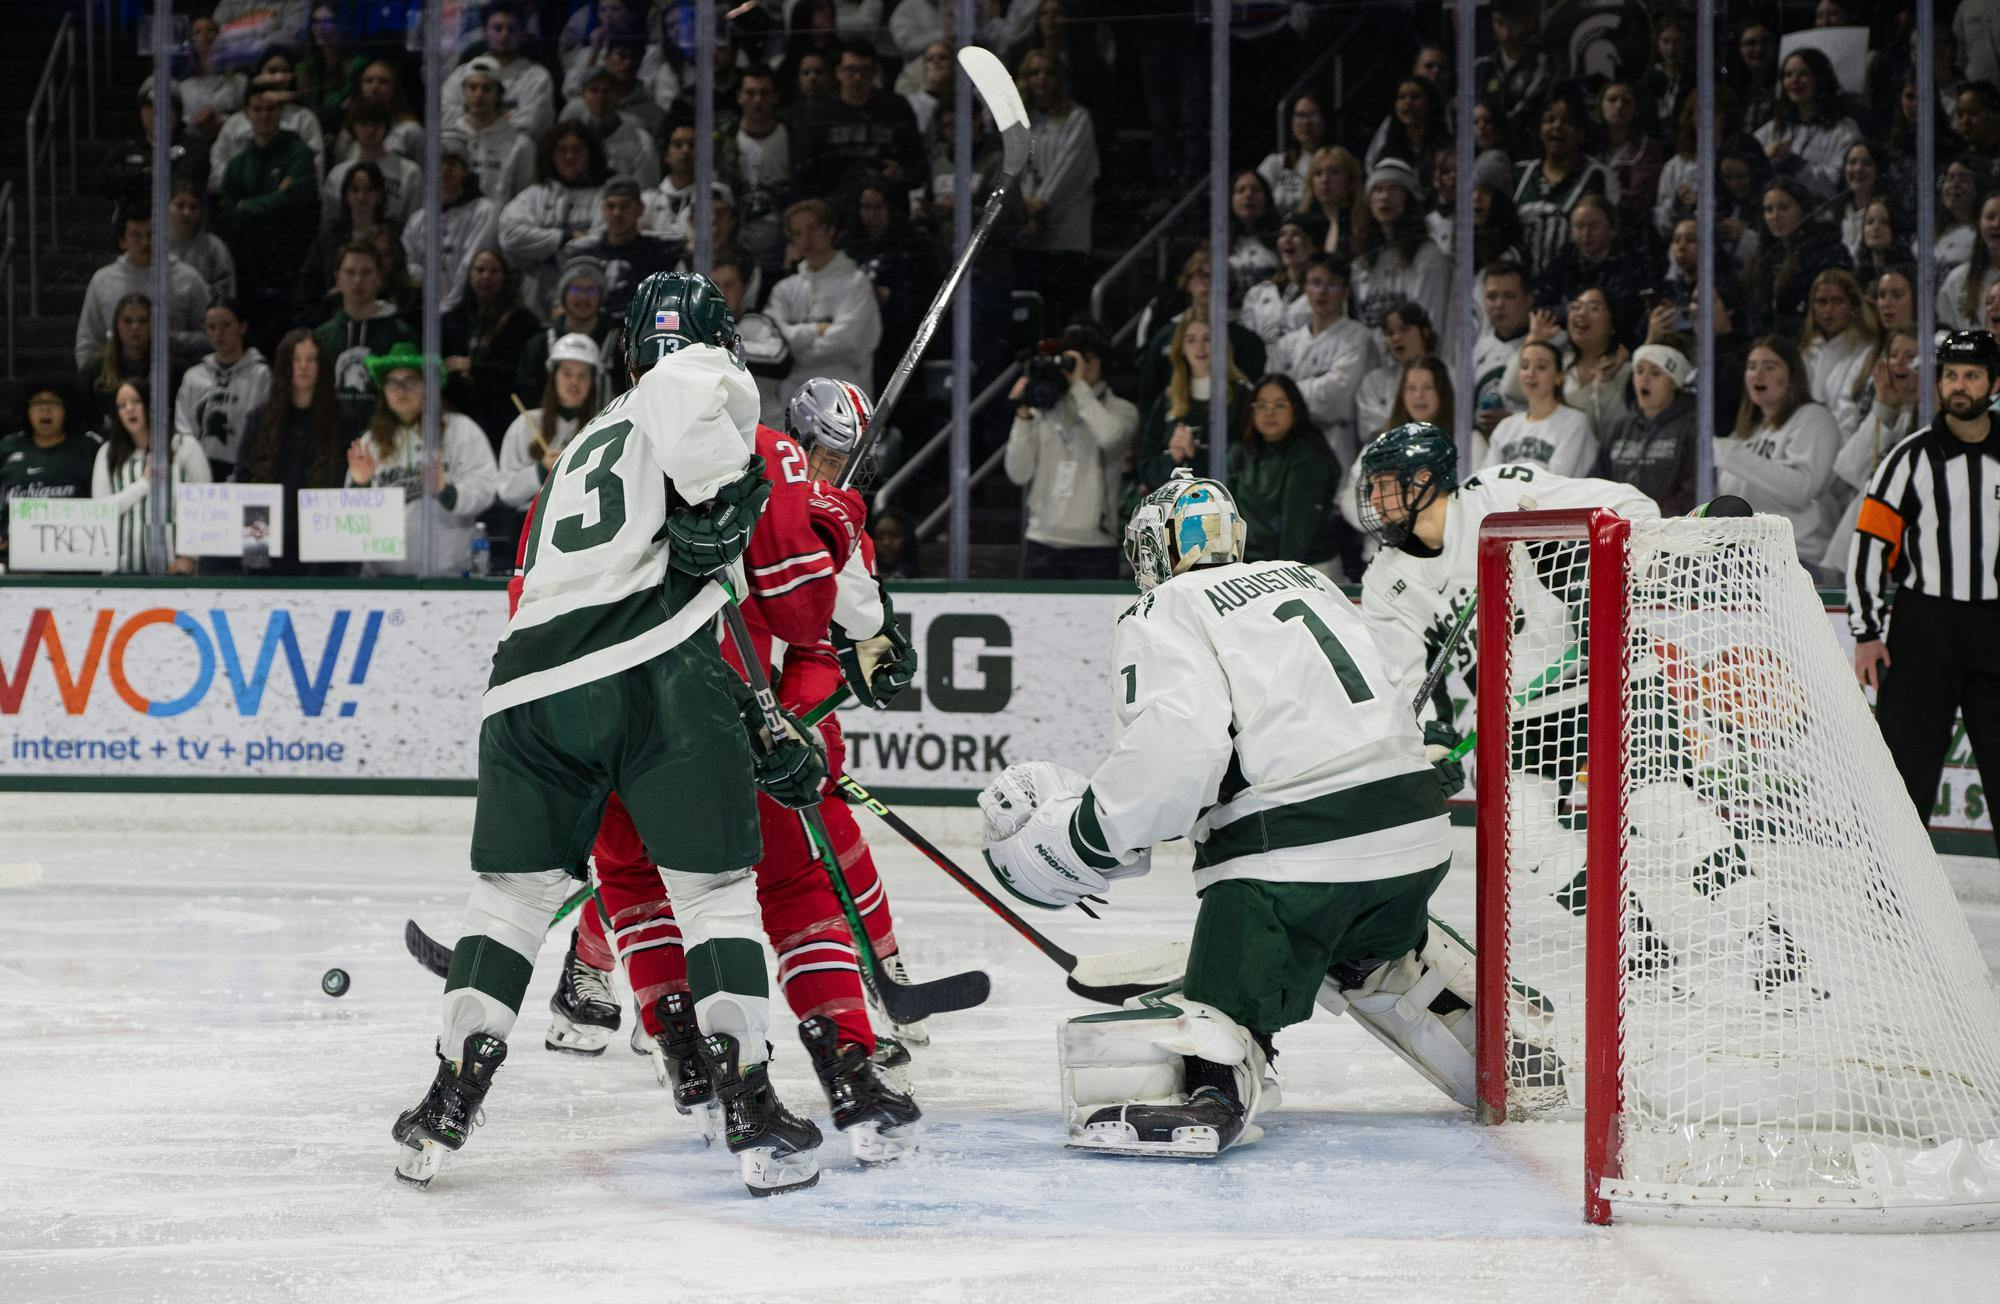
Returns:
<point x="1256" y="717"/>
<point x="610" y="677"/>
<point x="1428" y="523"/>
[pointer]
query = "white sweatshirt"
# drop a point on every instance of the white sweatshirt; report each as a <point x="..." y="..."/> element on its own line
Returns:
<point x="1835" y="369"/>
<point x="503" y="156"/>
<point x="118" y="278"/>
<point x="536" y="224"/>
<point x="1562" y="442"/>
<point x="520" y="470"/>
<point x="1328" y="367"/>
<point x="527" y="96"/>
<point x="1785" y="471"/>
<point x="463" y="230"/>
<point x="1880" y="430"/>
<point x="840" y="296"/>
<point x="129" y="488"/>
<point x="217" y="404"/>
<point x="468" y="471"/>
<point x="1062" y="169"/>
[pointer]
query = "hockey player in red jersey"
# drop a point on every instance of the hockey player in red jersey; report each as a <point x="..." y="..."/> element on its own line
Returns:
<point x="807" y="568"/>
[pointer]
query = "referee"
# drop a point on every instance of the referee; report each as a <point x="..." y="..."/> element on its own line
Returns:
<point x="1930" y="526"/>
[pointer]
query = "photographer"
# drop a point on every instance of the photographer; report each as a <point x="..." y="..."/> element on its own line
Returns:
<point x="1069" y="436"/>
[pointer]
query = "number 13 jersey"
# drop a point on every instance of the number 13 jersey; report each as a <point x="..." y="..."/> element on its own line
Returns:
<point x="1255" y="716"/>
<point x="597" y="594"/>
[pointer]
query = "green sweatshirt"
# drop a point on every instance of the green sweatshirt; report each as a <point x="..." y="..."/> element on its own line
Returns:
<point x="269" y="203"/>
<point x="1285" y="494"/>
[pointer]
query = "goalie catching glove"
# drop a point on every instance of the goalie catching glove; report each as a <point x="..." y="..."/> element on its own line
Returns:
<point x="1043" y="840"/>
<point x="702" y="540"/>
<point x="880" y="666"/>
<point x="790" y="768"/>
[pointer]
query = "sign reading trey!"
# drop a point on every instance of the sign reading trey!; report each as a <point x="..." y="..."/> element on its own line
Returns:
<point x="62" y="534"/>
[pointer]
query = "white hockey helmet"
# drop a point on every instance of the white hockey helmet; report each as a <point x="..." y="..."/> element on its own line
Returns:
<point x="576" y="347"/>
<point x="1189" y="521"/>
<point x="833" y="415"/>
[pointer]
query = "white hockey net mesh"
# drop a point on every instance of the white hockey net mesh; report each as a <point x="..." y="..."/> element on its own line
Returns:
<point x="1804" y="1010"/>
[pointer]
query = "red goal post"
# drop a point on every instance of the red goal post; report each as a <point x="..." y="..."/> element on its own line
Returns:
<point x="1710" y="922"/>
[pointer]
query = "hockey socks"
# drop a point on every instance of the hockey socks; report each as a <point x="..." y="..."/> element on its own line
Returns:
<point x="505" y="920"/>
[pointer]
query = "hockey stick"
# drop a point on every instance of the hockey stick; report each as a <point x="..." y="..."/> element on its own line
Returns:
<point x="1443" y="658"/>
<point x="902" y="1002"/>
<point x="436" y="956"/>
<point x="1112" y="979"/>
<point x="996" y="89"/>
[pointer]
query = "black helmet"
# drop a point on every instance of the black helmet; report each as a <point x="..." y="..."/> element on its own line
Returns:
<point x="1976" y="348"/>
<point x="671" y="310"/>
<point x="1402" y="452"/>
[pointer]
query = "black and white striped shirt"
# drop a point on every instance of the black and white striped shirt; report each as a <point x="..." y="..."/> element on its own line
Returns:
<point x="1930" y="524"/>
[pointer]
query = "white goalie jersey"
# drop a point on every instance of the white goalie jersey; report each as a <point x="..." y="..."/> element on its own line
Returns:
<point x="1257" y="717"/>
<point x="1413" y="601"/>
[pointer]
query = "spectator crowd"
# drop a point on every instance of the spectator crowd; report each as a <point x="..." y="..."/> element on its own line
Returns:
<point x="566" y="174"/>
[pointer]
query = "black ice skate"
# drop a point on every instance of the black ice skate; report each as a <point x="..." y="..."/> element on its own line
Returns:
<point x="680" y="1069"/>
<point x="778" y="1150"/>
<point x="583" y="1013"/>
<point x="441" y="1121"/>
<point x="880" y="1121"/>
<point x="1208" y="1123"/>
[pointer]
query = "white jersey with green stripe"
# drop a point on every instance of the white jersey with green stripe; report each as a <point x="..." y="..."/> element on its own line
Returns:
<point x="597" y="594"/>
<point x="1255" y="717"/>
<point x="1412" y="597"/>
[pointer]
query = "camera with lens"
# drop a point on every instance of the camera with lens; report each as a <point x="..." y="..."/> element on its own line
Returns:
<point x="1050" y="366"/>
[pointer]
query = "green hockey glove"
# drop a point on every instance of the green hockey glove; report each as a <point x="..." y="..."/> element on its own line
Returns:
<point x="1440" y="740"/>
<point x="702" y="540"/>
<point x="880" y="666"/>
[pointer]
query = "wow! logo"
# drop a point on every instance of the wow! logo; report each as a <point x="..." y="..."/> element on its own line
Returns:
<point x="211" y="644"/>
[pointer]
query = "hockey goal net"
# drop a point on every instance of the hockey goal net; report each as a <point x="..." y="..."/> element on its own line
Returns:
<point x="1710" y="923"/>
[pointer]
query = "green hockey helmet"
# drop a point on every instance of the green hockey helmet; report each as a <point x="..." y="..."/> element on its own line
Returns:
<point x="1424" y="462"/>
<point x="670" y="311"/>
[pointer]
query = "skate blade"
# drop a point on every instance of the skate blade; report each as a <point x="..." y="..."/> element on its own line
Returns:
<point x="871" y="1143"/>
<point x="767" y="1173"/>
<point x="1197" y="1141"/>
<point x="912" y="1034"/>
<point x="642" y="1041"/>
<point x="421" y="1164"/>
<point x="707" y="1118"/>
<point x="577" y="1039"/>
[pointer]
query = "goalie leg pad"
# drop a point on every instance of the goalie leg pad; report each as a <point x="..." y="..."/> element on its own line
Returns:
<point x="1134" y="1063"/>
<point x="1419" y="1005"/>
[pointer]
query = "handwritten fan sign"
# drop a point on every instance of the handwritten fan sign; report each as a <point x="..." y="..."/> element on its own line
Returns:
<point x="229" y="520"/>
<point x="62" y="534"/>
<point x="351" y="524"/>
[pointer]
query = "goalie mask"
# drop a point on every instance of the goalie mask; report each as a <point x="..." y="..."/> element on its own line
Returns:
<point x="1186" y="522"/>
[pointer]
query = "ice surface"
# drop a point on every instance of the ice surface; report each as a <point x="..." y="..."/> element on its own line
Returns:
<point x="184" y="1116"/>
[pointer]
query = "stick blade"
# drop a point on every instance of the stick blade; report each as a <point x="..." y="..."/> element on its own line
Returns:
<point x="908" y="1002"/>
<point x="997" y="90"/>
<point x="1114" y="993"/>
<point x="1151" y="967"/>
<point x="426" y="950"/>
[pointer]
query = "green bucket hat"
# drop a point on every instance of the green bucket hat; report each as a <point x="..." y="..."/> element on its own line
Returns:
<point x="404" y="356"/>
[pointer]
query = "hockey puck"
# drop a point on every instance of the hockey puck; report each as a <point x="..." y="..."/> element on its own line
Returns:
<point x="334" y="982"/>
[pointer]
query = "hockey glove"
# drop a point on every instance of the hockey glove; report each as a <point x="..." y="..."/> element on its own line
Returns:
<point x="1055" y="859"/>
<point x="880" y="666"/>
<point x="790" y="768"/>
<point x="702" y="540"/>
<point x="1010" y="801"/>
<point x="1440" y="740"/>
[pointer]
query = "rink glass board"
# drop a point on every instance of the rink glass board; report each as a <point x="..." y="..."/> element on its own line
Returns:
<point x="373" y="686"/>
